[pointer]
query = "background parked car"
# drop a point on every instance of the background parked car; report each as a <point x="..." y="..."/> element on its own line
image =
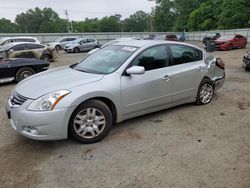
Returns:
<point x="246" y="61"/>
<point x="211" y="37"/>
<point x="171" y="37"/>
<point x="60" y="43"/>
<point x="7" y="40"/>
<point x="28" y="50"/>
<point x="81" y="44"/>
<point x="21" y="68"/>
<point x="229" y="42"/>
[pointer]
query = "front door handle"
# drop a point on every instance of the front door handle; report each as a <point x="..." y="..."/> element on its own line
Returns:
<point x="201" y="68"/>
<point x="166" y="77"/>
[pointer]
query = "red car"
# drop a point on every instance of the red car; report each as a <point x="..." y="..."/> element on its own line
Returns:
<point x="229" y="42"/>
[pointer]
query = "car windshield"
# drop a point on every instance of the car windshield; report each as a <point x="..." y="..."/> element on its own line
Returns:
<point x="5" y="47"/>
<point x="76" y="41"/>
<point x="59" y="39"/>
<point x="105" y="60"/>
<point x="2" y="40"/>
<point x="226" y="37"/>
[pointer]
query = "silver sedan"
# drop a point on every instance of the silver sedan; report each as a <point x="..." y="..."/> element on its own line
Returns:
<point x="118" y="82"/>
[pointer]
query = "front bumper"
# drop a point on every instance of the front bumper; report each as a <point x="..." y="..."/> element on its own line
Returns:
<point x="68" y="49"/>
<point x="49" y="125"/>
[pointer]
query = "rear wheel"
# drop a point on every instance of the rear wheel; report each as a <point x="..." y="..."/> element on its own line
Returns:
<point x="205" y="92"/>
<point x="23" y="73"/>
<point x="46" y="58"/>
<point x="76" y="50"/>
<point x="90" y="122"/>
<point x="58" y="47"/>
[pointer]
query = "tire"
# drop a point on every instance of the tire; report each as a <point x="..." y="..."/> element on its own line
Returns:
<point x="247" y="68"/>
<point x="23" y="73"/>
<point x="46" y="57"/>
<point x="76" y="50"/>
<point x="205" y="92"/>
<point x="58" y="47"/>
<point x="83" y="125"/>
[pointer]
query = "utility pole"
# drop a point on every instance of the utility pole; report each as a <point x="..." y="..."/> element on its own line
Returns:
<point x="67" y="17"/>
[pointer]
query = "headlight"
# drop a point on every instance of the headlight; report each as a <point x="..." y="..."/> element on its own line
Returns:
<point x="48" y="102"/>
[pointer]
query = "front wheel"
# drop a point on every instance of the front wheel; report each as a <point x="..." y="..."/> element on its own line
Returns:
<point x="76" y="50"/>
<point x="90" y="122"/>
<point x="205" y="92"/>
<point x="23" y="73"/>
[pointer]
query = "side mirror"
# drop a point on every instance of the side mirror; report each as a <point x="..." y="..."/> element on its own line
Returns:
<point x="10" y="51"/>
<point x="135" y="70"/>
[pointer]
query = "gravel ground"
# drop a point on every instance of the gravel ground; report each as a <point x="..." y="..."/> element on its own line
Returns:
<point x="186" y="146"/>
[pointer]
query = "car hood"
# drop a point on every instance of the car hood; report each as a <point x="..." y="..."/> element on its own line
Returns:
<point x="54" y="80"/>
<point x="52" y="43"/>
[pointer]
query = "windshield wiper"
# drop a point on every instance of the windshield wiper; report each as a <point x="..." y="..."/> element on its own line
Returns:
<point x="89" y="71"/>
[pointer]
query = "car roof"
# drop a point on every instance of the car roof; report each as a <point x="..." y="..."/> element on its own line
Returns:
<point x="16" y="43"/>
<point x="19" y="37"/>
<point x="146" y="43"/>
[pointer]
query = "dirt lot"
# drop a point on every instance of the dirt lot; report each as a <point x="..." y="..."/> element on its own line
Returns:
<point x="186" y="146"/>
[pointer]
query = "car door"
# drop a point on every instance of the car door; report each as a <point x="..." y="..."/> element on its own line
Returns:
<point x="84" y="45"/>
<point x="188" y="70"/>
<point x="152" y="89"/>
<point x="34" y="50"/>
<point x="5" y="69"/>
<point x="241" y="41"/>
<point x="17" y="51"/>
<point x="91" y="44"/>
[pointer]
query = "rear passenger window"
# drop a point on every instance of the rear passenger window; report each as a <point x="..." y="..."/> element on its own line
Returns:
<point x="185" y="54"/>
<point x="90" y="40"/>
<point x="34" y="46"/>
<point x="19" y="47"/>
<point x="153" y="58"/>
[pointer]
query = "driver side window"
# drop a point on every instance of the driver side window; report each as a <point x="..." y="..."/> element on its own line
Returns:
<point x="153" y="58"/>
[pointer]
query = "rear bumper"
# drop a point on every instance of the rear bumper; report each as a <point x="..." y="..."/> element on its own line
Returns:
<point x="218" y="82"/>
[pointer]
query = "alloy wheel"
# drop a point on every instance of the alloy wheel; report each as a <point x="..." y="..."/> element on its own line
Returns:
<point x="89" y="123"/>
<point x="206" y="93"/>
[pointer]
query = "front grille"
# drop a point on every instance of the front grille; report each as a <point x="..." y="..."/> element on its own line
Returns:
<point x="17" y="99"/>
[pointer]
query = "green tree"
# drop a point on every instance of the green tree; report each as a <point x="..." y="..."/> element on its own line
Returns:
<point x="164" y="15"/>
<point x="34" y="21"/>
<point x="206" y="16"/>
<point x="234" y="14"/>
<point x="6" y="26"/>
<point x="110" y="24"/>
<point x="137" y="22"/>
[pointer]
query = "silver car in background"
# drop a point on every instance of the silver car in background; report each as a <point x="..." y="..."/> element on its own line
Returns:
<point x="118" y="82"/>
<point x="81" y="44"/>
<point x="7" y="40"/>
<point x="60" y="43"/>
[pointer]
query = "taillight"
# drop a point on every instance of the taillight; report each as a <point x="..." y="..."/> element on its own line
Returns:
<point x="220" y="63"/>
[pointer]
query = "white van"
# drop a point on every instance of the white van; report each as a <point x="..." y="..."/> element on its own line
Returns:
<point x="7" y="40"/>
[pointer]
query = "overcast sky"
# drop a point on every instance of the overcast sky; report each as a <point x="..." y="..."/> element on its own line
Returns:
<point x="77" y="9"/>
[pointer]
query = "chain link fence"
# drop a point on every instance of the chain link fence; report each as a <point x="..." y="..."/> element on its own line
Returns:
<point x="105" y="37"/>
